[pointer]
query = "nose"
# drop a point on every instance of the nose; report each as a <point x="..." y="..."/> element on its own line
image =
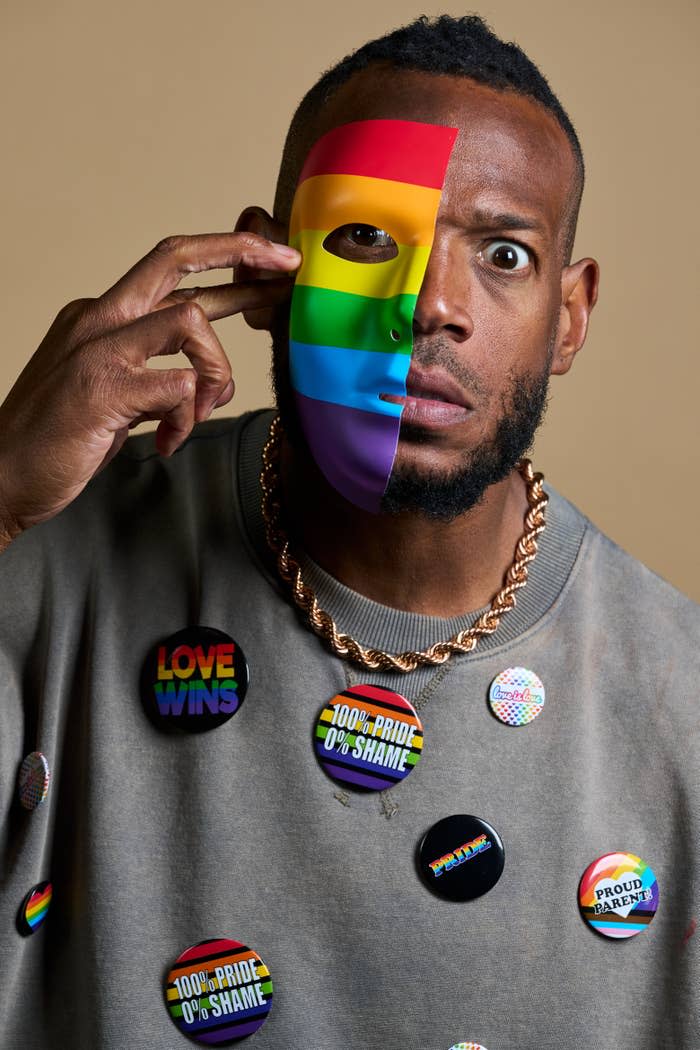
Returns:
<point x="442" y="301"/>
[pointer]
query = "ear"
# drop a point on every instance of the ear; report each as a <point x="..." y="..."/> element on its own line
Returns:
<point x="256" y="220"/>
<point x="579" y="294"/>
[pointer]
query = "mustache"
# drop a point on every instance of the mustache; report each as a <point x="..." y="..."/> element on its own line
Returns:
<point x="441" y="352"/>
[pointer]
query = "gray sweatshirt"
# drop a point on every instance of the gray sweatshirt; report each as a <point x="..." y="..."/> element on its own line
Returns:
<point x="154" y="842"/>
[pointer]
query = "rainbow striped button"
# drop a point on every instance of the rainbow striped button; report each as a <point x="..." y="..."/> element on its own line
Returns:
<point x="368" y="737"/>
<point x="35" y="907"/>
<point x="218" y="991"/>
<point x="467" y="1046"/>
<point x="618" y="895"/>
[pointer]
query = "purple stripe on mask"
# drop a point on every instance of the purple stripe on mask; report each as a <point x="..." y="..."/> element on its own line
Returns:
<point x="354" y="449"/>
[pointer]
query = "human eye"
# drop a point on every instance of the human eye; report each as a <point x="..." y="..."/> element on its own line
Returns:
<point x="360" y="242"/>
<point x="508" y="256"/>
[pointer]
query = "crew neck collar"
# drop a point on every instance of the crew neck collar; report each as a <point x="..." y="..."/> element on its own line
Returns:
<point x="395" y="630"/>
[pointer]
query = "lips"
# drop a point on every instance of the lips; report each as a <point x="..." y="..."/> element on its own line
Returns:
<point x="433" y="398"/>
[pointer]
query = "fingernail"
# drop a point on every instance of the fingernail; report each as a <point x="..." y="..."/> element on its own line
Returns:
<point x="225" y="395"/>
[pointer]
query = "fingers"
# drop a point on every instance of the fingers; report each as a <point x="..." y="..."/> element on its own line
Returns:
<point x="175" y="427"/>
<point x="155" y="276"/>
<point x="165" y="394"/>
<point x="223" y="300"/>
<point x="145" y="417"/>
<point x="182" y="327"/>
<point x="106" y="342"/>
<point x="226" y="394"/>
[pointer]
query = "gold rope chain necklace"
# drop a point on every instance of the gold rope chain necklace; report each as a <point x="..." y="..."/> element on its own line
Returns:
<point x="343" y="645"/>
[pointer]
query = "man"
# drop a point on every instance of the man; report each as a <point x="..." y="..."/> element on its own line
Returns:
<point x="476" y="899"/>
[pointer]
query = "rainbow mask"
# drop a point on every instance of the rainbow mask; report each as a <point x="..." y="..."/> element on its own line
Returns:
<point x="351" y="326"/>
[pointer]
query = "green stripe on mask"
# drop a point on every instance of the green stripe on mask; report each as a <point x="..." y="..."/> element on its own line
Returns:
<point x="323" y="317"/>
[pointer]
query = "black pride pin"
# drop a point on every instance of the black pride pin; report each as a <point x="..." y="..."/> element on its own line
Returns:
<point x="461" y="857"/>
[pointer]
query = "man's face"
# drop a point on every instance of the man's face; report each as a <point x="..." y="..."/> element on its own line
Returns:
<point x="486" y="316"/>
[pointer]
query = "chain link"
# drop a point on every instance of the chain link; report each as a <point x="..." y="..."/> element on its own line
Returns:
<point x="343" y="645"/>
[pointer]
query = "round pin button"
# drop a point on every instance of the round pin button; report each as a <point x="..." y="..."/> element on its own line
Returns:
<point x="368" y="737"/>
<point x="467" y="1046"/>
<point x="194" y="680"/>
<point x="34" y="777"/>
<point x="618" y="895"/>
<point x="35" y="907"/>
<point x="516" y="696"/>
<point x="218" y="991"/>
<point x="461" y="857"/>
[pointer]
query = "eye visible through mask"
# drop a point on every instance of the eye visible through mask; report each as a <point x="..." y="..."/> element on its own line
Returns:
<point x="358" y="242"/>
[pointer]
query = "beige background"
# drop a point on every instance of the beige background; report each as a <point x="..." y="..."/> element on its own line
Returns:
<point x="128" y="121"/>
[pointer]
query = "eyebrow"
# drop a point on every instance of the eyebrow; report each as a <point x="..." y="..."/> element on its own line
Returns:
<point x="497" y="220"/>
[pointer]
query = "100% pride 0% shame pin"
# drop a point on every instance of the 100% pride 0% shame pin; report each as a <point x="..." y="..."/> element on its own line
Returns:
<point x="218" y="991"/>
<point x="368" y="738"/>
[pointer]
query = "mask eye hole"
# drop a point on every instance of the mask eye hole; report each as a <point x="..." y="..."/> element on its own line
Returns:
<point x="359" y="242"/>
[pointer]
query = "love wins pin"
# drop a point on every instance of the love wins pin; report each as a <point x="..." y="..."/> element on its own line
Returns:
<point x="194" y="680"/>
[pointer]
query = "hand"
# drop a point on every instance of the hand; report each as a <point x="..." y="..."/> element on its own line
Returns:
<point x="88" y="384"/>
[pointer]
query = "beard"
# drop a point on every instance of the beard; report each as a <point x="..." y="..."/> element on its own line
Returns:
<point x="443" y="497"/>
<point x="436" y="495"/>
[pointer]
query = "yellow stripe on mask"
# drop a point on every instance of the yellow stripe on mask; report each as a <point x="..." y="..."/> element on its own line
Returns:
<point x="325" y="202"/>
<point x="401" y="275"/>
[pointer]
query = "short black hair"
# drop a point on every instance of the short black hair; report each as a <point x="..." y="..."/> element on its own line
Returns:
<point x="464" y="46"/>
